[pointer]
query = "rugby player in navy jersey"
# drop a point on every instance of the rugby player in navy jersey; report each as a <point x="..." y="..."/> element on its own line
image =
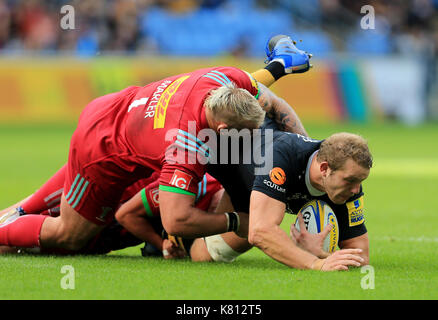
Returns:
<point x="303" y="169"/>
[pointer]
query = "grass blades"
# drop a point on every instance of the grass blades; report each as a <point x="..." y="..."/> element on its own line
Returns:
<point x="401" y="217"/>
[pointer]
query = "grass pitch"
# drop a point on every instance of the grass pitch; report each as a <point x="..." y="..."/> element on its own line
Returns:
<point x="401" y="218"/>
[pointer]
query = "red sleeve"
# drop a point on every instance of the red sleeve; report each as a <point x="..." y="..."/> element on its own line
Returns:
<point x="149" y="196"/>
<point x="133" y="189"/>
<point x="182" y="174"/>
<point x="207" y="189"/>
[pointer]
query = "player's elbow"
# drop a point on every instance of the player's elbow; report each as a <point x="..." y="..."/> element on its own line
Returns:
<point x="125" y="216"/>
<point x="176" y="223"/>
<point x="257" y="236"/>
<point x="175" y="228"/>
<point x="176" y="212"/>
<point x="121" y="216"/>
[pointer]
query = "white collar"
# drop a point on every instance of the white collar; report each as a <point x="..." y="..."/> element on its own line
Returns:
<point x="312" y="190"/>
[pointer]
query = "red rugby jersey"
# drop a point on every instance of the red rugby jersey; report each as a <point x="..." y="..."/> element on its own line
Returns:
<point x="207" y="188"/>
<point x="164" y="118"/>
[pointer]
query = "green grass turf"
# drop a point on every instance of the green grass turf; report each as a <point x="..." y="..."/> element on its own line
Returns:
<point x="401" y="217"/>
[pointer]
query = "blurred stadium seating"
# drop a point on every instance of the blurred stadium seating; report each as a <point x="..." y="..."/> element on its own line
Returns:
<point x="330" y="29"/>
<point x="210" y="27"/>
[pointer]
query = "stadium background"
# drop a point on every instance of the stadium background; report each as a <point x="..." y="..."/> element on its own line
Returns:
<point x="47" y="72"/>
<point x="380" y="83"/>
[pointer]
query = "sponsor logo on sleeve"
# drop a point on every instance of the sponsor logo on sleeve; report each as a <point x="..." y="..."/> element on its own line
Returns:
<point x="277" y="176"/>
<point x="274" y="186"/>
<point x="153" y="194"/>
<point x="181" y="180"/>
<point x="355" y="212"/>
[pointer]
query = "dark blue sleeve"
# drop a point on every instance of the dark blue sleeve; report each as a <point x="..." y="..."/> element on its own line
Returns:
<point x="274" y="183"/>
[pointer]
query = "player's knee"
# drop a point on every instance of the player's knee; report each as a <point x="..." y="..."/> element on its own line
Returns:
<point x="219" y="249"/>
<point x="199" y="251"/>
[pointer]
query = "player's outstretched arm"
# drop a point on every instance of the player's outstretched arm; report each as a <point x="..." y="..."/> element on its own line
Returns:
<point x="266" y="234"/>
<point x="181" y="218"/>
<point x="361" y="242"/>
<point x="278" y="109"/>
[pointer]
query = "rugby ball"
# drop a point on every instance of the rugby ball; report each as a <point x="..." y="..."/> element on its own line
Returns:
<point x="317" y="214"/>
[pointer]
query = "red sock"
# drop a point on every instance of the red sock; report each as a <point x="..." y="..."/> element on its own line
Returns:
<point x="48" y="196"/>
<point x="23" y="232"/>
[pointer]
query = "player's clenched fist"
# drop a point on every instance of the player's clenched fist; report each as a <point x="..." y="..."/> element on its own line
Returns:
<point x="339" y="260"/>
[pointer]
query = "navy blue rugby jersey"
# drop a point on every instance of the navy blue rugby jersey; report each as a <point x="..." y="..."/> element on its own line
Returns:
<point x="285" y="180"/>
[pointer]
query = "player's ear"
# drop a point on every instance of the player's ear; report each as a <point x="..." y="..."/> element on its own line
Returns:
<point x="324" y="167"/>
<point x="220" y="126"/>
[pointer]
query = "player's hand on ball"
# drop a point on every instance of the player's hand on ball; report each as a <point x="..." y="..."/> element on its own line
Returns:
<point x="171" y="250"/>
<point x="339" y="260"/>
<point x="312" y="243"/>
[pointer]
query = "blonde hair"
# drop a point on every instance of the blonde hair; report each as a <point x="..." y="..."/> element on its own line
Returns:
<point x="339" y="147"/>
<point x="235" y="106"/>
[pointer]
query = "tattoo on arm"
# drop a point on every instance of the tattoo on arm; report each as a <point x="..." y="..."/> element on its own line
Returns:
<point x="283" y="121"/>
<point x="266" y="104"/>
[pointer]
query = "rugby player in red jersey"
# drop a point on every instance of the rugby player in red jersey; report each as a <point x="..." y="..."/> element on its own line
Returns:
<point x="139" y="211"/>
<point x="136" y="214"/>
<point x="115" y="236"/>
<point x="123" y="137"/>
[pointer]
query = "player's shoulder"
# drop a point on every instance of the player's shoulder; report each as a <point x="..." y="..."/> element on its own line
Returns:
<point x="235" y="73"/>
<point x="287" y="138"/>
<point x="226" y="75"/>
<point x="219" y="70"/>
<point x="228" y="69"/>
<point x="293" y="143"/>
<point x="216" y="76"/>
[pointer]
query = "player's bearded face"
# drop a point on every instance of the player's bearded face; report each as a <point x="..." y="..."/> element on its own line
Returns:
<point x="342" y="184"/>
